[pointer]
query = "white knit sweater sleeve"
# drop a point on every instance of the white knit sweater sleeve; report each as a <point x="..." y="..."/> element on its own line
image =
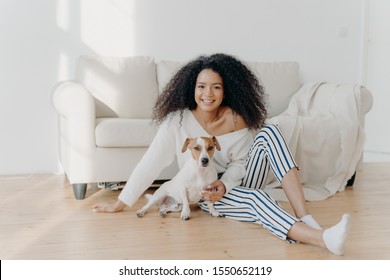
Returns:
<point x="237" y="153"/>
<point x="159" y="155"/>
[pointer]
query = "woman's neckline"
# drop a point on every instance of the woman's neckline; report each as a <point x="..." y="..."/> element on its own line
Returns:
<point x="225" y="134"/>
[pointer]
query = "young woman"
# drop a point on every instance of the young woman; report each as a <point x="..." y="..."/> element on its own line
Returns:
<point x="218" y="95"/>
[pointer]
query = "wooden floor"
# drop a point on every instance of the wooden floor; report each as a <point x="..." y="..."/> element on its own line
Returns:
<point x="40" y="219"/>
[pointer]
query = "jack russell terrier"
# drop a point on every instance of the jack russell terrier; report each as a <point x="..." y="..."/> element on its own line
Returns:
<point x="196" y="175"/>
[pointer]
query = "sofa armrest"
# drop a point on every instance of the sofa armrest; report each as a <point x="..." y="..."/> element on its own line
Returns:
<point x="71" y="99"/>
<point x="366" y="100"/>
<point x="76" y="108"/>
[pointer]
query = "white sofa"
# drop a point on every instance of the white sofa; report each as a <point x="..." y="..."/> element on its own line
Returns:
<point x="105" y="113"/>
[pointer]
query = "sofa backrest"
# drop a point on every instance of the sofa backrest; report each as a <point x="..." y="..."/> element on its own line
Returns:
<point x="128" y="87"/>
<point x="123" y="87"/>
<point x="279" y="79"/>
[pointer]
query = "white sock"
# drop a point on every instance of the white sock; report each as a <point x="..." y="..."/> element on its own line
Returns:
<point x="335" y="237"/>
<point x="309" y="220"/>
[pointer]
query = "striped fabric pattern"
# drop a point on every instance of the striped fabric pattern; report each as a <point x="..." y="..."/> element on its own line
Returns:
<point x="248" y="203"/>
<point x="269" y="150"/>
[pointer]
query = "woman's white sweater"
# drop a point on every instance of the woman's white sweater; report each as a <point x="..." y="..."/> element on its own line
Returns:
<point x="168" y="143"/>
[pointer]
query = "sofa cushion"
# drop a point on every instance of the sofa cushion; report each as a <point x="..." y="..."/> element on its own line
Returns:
<point x="122" y="133"/>
<point x="166" y="69"/>
<point x="280" y="81"/>
<point x="122" y="86"/>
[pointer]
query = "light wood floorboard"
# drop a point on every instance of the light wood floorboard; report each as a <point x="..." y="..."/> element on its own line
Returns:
<point x="40" y="219"/>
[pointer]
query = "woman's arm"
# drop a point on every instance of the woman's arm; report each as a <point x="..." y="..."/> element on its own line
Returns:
<point x="237" y="154"/>
<point x="159" y="155"/>
<point x="235" y="171"/>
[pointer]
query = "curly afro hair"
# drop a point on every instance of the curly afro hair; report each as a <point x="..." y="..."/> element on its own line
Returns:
<point x="243" y="93"/>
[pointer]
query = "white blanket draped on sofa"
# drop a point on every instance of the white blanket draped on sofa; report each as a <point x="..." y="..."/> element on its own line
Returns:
<point x="323" y="129"/>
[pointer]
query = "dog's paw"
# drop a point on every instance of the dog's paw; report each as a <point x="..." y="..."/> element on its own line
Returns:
<point x="163" y="214"/>
<point x="215" y="213"/>
<point x="185" y="215"/>
<point x="140" y="213"/>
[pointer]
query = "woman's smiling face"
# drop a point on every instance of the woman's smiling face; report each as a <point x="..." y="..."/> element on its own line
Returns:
<point x="209" y="90"/>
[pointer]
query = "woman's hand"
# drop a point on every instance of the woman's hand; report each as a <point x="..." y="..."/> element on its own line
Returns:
<point x="214" y="192"/>
<point x="118" y="206"/>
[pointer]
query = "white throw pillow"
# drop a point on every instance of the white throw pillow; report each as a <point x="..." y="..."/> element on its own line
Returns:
<point x="122" y="86"/>
<point x="166" y="69"/>
<point x="280" y="81"/>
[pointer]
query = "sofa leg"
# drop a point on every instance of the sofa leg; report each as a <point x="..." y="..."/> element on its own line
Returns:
<point x="351" y="181"/>
<point x="79" y="191"/>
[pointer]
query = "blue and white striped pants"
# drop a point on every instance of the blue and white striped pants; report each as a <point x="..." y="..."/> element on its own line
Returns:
<point x="249" y="203"/>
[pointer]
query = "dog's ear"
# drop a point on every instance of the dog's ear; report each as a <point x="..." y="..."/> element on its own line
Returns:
<point x="216" y="143"/>
<point x="186" y="143"/>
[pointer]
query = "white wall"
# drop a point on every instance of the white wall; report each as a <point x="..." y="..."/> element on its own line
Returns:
<point x="378" y="74"/>
<point x="41" y="39"/>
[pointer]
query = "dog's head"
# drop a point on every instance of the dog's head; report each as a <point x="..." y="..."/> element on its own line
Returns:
<point x="202" y="149"/>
